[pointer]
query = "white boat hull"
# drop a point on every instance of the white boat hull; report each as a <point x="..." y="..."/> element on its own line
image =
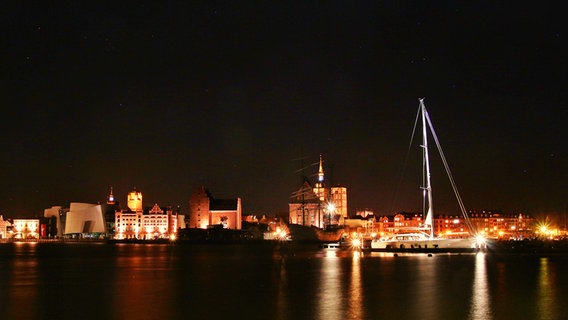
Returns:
<point x="436" y="243"/>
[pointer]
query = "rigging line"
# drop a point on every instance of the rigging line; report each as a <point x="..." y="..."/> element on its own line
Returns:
<point x="451" y="178"/>
<point x="405" y="161"/>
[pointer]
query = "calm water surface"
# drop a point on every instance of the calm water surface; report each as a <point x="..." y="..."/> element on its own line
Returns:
<point x="129" y="281"/>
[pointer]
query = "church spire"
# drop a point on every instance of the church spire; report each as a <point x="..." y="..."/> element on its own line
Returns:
<point x="319" y="189"/>
<point x="320" y="171"/>
<point x="110" y="199"/>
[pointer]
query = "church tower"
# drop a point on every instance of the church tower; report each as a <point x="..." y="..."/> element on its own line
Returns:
<point x="110" y="198"/>
<point x="319" y="188"/>
<point x="134" y="202"/>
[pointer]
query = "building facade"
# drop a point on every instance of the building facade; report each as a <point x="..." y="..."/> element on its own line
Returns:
<point x="85" y="218"/>
<point x="206" y="211"/>
<point x="26" y="229"/>
<point x="493" y="225"/>
<point x="5" y="225"/>
<point x="305" y="207"/>
<point x="318" y="205"/>
<point x="144" y="224"/>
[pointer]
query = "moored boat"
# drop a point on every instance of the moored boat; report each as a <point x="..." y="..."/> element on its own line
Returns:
<point x="421" y="241"/>
<point x="423" y="237"/>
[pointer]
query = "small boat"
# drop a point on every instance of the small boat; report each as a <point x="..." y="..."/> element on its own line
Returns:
<point x="423" y="237"/>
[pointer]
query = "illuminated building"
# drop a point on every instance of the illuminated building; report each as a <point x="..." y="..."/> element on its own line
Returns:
<point x="134" y="201"/>
<point x="365" y="213"/>
<point x="206" y="211"/>
<point x="4" y="225"/>
<point x="145" y="224"/>
<point x="319" y="205"/>
<point x="319" y="189"/>
<point x="25" y="229"/>
<point x="339" y="199"/>
<point x="84" y="218"/>
<point x="305" y="208"/>
<point x="158" y="223"/>
<point x="128" y="224"/>
<point x="490" y="224"/>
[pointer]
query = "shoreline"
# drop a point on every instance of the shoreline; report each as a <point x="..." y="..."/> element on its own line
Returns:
<point x="500" y="247"/>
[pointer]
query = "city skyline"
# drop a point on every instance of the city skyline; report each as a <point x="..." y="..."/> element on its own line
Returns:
<point x="238" y="98"/>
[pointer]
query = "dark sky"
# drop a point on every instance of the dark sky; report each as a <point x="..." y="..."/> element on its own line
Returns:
<point x="169" y="96"/>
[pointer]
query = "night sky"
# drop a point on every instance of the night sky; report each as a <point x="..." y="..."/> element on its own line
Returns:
<point x="238" y="96"/>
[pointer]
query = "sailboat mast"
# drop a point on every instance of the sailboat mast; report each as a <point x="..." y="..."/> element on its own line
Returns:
<point x="428" y="207"/>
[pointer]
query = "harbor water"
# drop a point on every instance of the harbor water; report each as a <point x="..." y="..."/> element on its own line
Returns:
<point x="273" y="281"/>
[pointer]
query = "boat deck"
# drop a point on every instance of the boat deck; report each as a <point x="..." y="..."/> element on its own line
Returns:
<point x="423" y="250"/>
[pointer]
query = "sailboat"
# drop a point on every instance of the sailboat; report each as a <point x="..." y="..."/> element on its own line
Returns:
<point x="423" y="237"/>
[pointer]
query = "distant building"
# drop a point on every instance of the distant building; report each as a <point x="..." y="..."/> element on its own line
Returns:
<point x="109" y="209"/>
<point x="60" y="215"/>
<point x="365" y="213"/>
<point x="128" y="224"/>
<point x="25" y="229"/>
<point x="4" y="226"/>
<point x="134" y="201"/>
<point x="490" y="224"/>
<point x="206" y="211"/>
<point x="145" y="224"/>
<point x="305" y="207"/>
<point x="85" y="218"/>
<point x="319" y="205"/>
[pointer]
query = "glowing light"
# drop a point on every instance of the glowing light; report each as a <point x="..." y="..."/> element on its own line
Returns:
<point x="480" y="240"/>
<point x="543" y="227"/>
<point x="331" y="207"/>
<point x="356" y="243"/>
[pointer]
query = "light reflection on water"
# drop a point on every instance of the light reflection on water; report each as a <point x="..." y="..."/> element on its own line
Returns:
<point x="480" y="306"/>
<point x="55" y="281"/>
<point x="340" y="295"/>
<point x="354" y="308"/>
<point x="547" y="290"/>
<point x="329" y="297"/>
<point x="425" y="289"/>
<point x="23" y="281"/>
<point x="142" y="281"/>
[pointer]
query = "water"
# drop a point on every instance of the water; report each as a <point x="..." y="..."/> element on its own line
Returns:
<point x="129" y="281"/>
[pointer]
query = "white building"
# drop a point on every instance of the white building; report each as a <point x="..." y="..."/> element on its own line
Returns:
<point x="138" y="223"/>
<point x="85" y="218"/>
<point x="4" y="224"/>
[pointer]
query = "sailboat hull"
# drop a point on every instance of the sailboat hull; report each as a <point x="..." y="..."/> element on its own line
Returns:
<point x="412" y="241"/>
